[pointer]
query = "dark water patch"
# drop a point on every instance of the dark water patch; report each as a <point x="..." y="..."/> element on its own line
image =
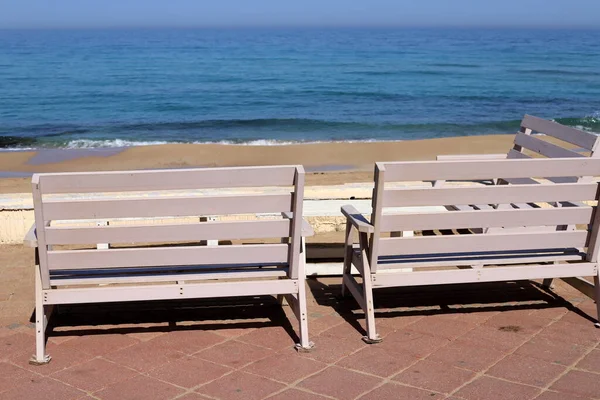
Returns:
<point x="455" y="65"/>
<point x="556" y="72"/>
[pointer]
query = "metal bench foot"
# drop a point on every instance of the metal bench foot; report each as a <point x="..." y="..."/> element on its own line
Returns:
<point x="306" y="349"/>
<point x="368" y="340"/>
<point x="34" y="361"/>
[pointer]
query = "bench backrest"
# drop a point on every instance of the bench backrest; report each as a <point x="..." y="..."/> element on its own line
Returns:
<point x="130" y="197"/>
<point x="568" y="142"/>
<point x="392" y="190"/>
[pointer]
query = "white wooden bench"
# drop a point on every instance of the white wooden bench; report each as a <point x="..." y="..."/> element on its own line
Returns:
<point x="167" y="261"/>
<point x="474" y="257"/>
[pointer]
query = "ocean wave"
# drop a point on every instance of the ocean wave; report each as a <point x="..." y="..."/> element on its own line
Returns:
<point x="255" y="132"/>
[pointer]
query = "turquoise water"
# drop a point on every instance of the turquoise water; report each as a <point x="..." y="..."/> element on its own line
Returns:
<point x="112" y="88"/>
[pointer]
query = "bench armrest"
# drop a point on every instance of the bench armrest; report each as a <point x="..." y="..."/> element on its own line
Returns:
<point x="30" y="239"/>
<point x="307" y="229"/>
<point x="452" y="157"/>
<point x="357" y="219"/>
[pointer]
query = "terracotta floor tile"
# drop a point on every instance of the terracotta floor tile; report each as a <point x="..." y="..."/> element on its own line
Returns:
<point x="144" y="356"/>
<point x="187" y="341"/>
<point x="318" y="325"/>
<point x="550" y="312"/>
<point x="552" y="350"/>
<point x="446" y="327"/>
<point x="288" y="367"/>
<point x="330" y="349"/>
<point x="377" y="360"/>
<point x="295" y="394"/>
<point x="495" y="338"/>
<point x="549" y="395"/>
<point x="585" y="335"/>
<point x="234" y="354"/>
<point x="43" y="388"/>
<point x="395" y="391"/>
<point x="242" y="386"/>
<point x="139" y="387"/>
<point x="350" y="331"/>
<point x="230" y="331"/>
<point x="62" y="357"/>
<point x="416" y="343"/>
<point x="12" y="376"/>
<point x="17" y="343"/>
<point x="144" y="336"/>
<point x="94" y="375"/>
<point x="467" y="354"/>
<point x="271" y="337"/>
<point x="472" y="317"/>
<point x="527" y="370"/>
<point x="590" y="362"/>
<point x="487" y="388"/>
<point x="193" y="396"/>
<point x="579" y="383"/>
<point x="398" y="322"/>
<point x="434" y="376"/>
<point x="576" y="318"/>
<point x="189" y="372"/>
<point x="519" y="323"/>
<point x="99" y="345"/>
<point x="340" y="383"/>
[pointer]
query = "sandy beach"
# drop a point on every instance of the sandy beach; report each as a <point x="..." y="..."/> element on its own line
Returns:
<point x="326" y="163"/>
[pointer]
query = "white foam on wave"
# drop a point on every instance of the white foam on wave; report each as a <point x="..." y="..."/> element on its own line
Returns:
<point x="93" y="144"/>
<point x="268" y="142"/>
<point x="121" y="143"/>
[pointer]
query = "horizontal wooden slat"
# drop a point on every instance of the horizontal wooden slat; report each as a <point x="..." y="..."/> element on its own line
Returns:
<point x="489" y="169"/>
<point x="500" y="194"/>
<point x="168" y="277"/>
<point x="162" y="206"/>
<point x="107" y="294"/>
<point x="169" y="232"/>
<point x="266" y="254"/>
<point x="565" y="133"/>
<point x="506" y="259"/>
<point x="487" y="218"/>
<point x="513" y="154"/>
<point x="482" y="242"/>
<point x="500" y="274"/>
<point x="174" y="179"/>
<point x="544" y="148"/>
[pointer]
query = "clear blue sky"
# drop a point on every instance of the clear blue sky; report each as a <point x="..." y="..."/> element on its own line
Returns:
<point x="234" y="13"/>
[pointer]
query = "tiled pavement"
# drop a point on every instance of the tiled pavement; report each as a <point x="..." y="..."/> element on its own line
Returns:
<point x="497" y="341"/>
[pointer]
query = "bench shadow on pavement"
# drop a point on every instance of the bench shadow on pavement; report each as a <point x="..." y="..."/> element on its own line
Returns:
<point x="167" y="316"/>
<point x="453" y="299"/>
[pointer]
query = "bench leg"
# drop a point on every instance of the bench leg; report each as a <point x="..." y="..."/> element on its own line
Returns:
<point x="347" y="257"/>
<point x="547" y="283"/>
<point x="41" y="323"/>
<point x="305" y="344"/>
<point x="372" y="336"/>
<point x="597" y="296"/>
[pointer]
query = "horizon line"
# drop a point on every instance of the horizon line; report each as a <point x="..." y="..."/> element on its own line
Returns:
<point x="302" y="26"/>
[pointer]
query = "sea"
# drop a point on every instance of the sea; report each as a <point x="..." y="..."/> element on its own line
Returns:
<point x="115" y="88"/>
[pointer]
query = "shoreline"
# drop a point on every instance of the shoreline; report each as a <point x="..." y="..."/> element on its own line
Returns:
<point x="326" y="163"/>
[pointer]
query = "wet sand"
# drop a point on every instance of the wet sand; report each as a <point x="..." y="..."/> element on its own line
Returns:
<point x="326" y="163"/>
